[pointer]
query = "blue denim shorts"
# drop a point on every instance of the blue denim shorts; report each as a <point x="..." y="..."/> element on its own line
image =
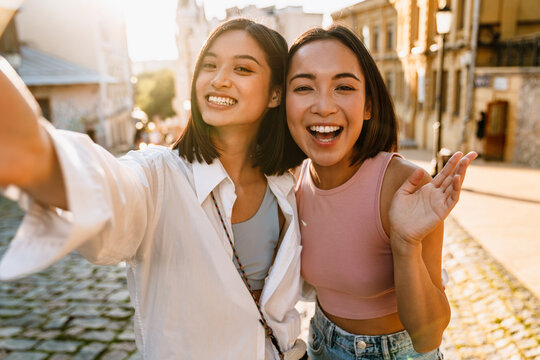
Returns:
<point x="327" y="341"/>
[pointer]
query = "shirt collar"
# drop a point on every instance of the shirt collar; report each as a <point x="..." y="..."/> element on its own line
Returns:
<point x="284" y="183"/>
<point x="207" y="177"/>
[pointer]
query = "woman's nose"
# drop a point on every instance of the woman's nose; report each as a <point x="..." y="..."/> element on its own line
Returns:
<point x="324" y="105"/>
<point x="221" y="79"/>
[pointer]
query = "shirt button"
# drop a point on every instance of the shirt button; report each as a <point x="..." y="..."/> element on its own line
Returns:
<point x="361" y="345"/>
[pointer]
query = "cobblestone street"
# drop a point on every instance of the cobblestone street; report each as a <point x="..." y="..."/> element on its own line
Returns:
<point x="74" y="310"/>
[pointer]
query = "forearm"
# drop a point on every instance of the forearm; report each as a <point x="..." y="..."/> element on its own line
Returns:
<point x="47" y="185"/>
<point x="27" y="155"/>
<point x="423" y="307"/>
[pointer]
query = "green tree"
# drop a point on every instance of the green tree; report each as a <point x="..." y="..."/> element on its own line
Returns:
<point x="154" y="93"/>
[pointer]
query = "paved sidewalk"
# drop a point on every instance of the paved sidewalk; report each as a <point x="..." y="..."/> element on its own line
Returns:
<point x="500" y="208"/>
<point x="75" y="310"/>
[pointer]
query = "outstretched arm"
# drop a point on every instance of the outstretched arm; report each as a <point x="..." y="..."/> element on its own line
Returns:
<point x="27" y="157"/>
<point x="416" y="235"/>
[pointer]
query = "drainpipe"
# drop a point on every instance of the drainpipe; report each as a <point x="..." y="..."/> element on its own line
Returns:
<point x="470" y="78"/>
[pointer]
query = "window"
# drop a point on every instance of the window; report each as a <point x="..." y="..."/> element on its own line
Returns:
<point x="421" y="86"/>
<point x="415" y="21"/>
<point x="9" y="42"/>
<point x="434" y="90"/>
<point x="399" y="85"/>
<point x="365" y="36"/>
<point x="444" y="91"/>
<point x="461" y="14"/>
<point x="390" y="34"/>
<point x="45" y="106"/>
<point x="389" y="77"/>
<point x="376" y="38"/>
<point x="457" y="93"/>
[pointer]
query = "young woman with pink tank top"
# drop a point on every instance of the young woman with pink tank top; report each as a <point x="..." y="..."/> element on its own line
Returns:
<point x="371" y="222"/>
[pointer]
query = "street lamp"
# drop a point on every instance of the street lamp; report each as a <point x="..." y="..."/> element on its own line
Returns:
<point x="444" y="20"/>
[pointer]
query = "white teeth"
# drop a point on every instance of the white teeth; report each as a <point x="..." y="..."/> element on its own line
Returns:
<point x="219" y="100"/>
<point x="324" y="129"/>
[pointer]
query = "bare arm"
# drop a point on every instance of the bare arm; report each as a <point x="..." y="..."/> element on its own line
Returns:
<point x="416" y="215"/>
<point x="27" y="157"/>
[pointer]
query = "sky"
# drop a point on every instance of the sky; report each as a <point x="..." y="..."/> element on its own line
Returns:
<point x="151" y="23"/>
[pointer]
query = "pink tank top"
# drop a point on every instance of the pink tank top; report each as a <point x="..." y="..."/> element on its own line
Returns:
<point x="346" y="254"/>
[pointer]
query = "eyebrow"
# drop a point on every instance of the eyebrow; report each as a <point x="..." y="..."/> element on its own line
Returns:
<point x="249" y="57"/>
<point x="312" y="77"/>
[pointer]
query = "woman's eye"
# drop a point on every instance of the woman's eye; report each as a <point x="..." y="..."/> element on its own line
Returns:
<point x="243" y="69"/>
<point x="345" y="88"/>
<point x="208" y="66"/>
<point x="302" y="88"/>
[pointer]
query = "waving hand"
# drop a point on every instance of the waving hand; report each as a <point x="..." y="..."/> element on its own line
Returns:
<point x="415" y="213"/>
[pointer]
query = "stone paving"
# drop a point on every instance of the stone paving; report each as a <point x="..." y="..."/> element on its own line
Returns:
<point x="74" y="310"/>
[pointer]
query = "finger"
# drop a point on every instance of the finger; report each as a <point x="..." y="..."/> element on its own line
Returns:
<point x="409" y="186"/>
<point x="447" y="183"/>
<point x="452" y="192"/>
<point x="447" y="169"/>
<point x="463" y="165"/>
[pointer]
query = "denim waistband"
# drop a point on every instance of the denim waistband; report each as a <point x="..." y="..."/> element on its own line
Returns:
<point x="359" y="344"/>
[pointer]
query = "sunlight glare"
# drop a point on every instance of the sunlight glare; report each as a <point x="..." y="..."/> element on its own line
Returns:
<point x="151" y="27"/>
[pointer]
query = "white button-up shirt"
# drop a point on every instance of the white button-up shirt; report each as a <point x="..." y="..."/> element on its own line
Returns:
<point x="153" y="210"/>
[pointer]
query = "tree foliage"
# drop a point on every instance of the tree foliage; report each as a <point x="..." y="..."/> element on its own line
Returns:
<point x="155" y="92"/>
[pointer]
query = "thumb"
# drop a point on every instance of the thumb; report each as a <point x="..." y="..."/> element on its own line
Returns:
<point x="411" y="184"/>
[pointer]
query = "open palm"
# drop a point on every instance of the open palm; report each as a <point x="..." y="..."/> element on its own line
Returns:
<point x="415" y="213"/>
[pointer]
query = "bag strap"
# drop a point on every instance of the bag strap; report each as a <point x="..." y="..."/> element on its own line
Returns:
<point x="268" y="330"/>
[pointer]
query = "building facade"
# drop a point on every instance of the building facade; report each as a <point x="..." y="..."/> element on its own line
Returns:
<point x="490" y="65"/>
<point x="90" y="36"/>
<point x="290" y="21"/>
<point x="192" y="31"/>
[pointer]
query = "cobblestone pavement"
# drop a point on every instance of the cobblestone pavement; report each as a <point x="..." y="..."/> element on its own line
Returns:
<point x="74" y="310"/>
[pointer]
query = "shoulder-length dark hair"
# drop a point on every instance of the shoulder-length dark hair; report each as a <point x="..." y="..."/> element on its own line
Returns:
<point x="276" y="151"/>
<point x="380" y="133"/>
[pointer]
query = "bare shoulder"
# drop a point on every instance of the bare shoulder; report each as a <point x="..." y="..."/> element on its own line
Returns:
<point x="398" y="171"/>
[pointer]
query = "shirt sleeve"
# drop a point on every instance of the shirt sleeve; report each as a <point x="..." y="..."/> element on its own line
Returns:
<point x="109" y="203"/>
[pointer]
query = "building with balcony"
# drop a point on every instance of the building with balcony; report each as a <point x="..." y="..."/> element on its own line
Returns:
<point x="491" y="65"/>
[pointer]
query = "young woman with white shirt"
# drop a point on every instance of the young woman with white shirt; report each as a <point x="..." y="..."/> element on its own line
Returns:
<point x="183" y="224"/>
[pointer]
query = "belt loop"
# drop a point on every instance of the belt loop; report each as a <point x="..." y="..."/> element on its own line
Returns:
<point x="386" y="352"/>
<point x="330" y="335"/>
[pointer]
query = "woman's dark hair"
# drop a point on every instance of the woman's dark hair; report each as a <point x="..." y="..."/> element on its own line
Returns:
<point x="380" y="133"/>
<point x="276" y="151"/>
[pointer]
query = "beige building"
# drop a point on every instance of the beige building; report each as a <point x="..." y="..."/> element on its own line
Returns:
<point x="497" y="74"/>
<point x="192" y="31"/>
<point x="87" y="40"/>
<point x="290" y="21"/>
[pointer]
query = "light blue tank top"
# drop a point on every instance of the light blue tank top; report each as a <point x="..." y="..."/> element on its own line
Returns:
<point x="255" y="240"/>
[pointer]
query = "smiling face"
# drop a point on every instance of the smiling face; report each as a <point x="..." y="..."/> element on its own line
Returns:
<point x="326" y="102"/>
<point x="233" y="84"/>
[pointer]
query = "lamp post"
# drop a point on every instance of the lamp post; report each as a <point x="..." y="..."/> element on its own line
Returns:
<point x="444" y="20"/>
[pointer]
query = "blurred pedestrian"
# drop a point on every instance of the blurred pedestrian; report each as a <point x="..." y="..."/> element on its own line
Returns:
<point x="480" y="134"/>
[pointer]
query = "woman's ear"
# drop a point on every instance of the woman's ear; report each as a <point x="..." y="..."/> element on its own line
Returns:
<point x="367" y="110"/>
<point x="275" y="98"/>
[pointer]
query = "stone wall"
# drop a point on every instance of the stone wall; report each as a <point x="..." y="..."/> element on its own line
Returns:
<point x="527" y="133"/>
